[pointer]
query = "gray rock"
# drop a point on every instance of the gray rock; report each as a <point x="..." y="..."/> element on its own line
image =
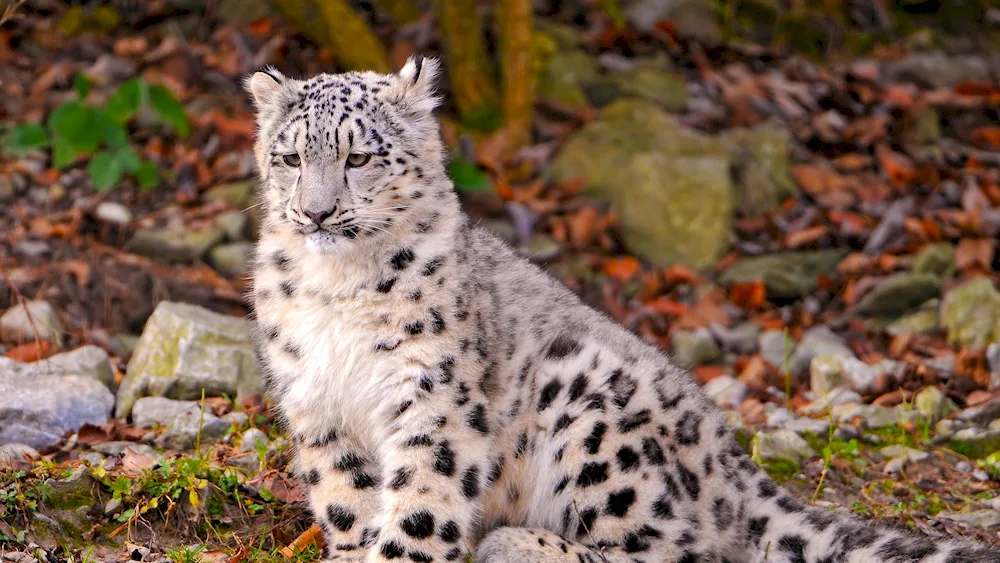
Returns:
<point x="776" y="348"/>
<point x="741" y="339"/>
<point x="970" y="313"/>
<point x="625" y="156"/>
<point x="816" y="427"/>
<point x="117" y="448"/>
<point x="180" y="422"/>
<point x="656" y="85"/>
<point x="993" y="360"/>
<point x="898" y="451"/>
<point x="781" y="444"/>
<point x="692" y="348"/>
<point x="185" y="349"/>
<point x="93" y="459"/>
<point x="786" y="276"/>
<point x="564" y="76"/>
<point x="692" y="18"/>
<point x="985" y="518"/>
<point x="17" y="452"/>
<point x="540" y="248"/>
<point x="175" y="244"/>
<point x="874" y="416"/>
<point x="981" y="414"/>
<point x="899" y="294"/>
<point x="975" y="442"/>
<point x="935" y="259"/>
<point x="829" y="371"/>
<point x="834" y="397"/>
<point x="89" y="360"/>
<point x="113" y="212"/>
<point x="933" y="404"/>
<point x="237" y="418"/>
<point x="726" y="391"/>
<point x="762" y="166"/>
<point x="238" y="194"/>
<point x="817" y="341"/>
<point x="37" y="410"/>
<point x="938" y="70"/>
<point x="15" y="324"/>
<point x="32" y="248"/>
<point x="232" y="259"/>
<point x="920" y="322"/>
<point x="249" y="462"/>
<point x="234" y="224"/>
<point x="250" y="439"/>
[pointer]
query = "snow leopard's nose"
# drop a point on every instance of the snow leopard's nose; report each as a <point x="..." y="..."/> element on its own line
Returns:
<point x="318" y="216"/>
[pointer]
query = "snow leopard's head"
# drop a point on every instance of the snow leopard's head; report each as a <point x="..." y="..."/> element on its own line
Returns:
<point x="347" y="157"/>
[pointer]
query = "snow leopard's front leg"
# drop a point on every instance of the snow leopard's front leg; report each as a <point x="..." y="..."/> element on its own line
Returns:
<point x="435" y="471"/>
<point x="343" y="493"/>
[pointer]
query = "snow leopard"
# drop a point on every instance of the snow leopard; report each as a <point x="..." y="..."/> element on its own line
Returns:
<point x="448" y="399"/>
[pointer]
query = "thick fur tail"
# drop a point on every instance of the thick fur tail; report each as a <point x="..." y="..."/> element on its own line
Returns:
<point x="781" y="529"/>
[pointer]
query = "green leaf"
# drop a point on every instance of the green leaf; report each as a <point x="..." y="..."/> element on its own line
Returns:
<point x="105" y="170"/>
<point x="126" y="100"/>
<point x="24" y="138"/>
<point x="130" y="161"/>
<point x="147" y="175"/>
<point x="63" y="152"/>
<point x="169" y="109"/>
<point x="78" y="124"/>
<point x="467" y="176"/>
<point x="114" y="134"/>
<point x="82" y="85"/>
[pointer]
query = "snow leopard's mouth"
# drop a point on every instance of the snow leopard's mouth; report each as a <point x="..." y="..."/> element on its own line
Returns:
<point x="327" y="240"/>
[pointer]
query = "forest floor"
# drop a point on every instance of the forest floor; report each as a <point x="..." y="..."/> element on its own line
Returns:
<point x="863" y="243"/>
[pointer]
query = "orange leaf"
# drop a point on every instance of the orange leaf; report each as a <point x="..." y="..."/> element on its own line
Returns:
<point x="806" y="236"/>
<point x="987" y="137"/>
<point x="621" y="268"/>
<point x="973" y="252"/>
<point x="32" y="351"/>
<point x="828" y="187"/>
<point x="898" y="167"/>
<point x="750" y="295"/>
<point x="312" y="536"/>
<point x="679" y="274"/>
<point x="668" y="307"/>
<point x="704" y="374"/>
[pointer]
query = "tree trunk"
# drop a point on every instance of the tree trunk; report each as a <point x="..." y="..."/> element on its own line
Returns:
<point x="472" y="84"/>
<point x="333" y="24"/>
<point x="401" y="12"/>
<point x="515" y="30"/>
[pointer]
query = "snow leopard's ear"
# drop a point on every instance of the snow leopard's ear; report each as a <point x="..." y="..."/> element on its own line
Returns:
<point x="264" y="85"/>
<point x="416" y="84"/>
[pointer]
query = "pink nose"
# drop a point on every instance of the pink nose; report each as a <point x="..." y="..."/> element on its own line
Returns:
<point x="318" y="216"/>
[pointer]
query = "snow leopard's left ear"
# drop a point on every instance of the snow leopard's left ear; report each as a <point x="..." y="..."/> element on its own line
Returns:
<point x="416" y="84"/>
<point x="264" y="85"/>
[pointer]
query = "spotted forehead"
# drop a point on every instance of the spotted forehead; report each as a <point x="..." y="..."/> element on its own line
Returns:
<point x="335" y="112"/>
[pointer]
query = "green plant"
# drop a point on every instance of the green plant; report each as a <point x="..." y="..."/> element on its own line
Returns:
<point x="186" y="555"/>
<point x="77" y="129"/>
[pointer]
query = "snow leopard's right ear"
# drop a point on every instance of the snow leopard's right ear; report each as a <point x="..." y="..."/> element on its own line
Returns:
<point x="416" y="83"/>
<point x="264" y="85"/>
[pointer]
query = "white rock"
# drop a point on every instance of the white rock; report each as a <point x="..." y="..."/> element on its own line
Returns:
<point x="112" y="212"/>
<point x="16" y="325"/>
<point x="726" y="391"/>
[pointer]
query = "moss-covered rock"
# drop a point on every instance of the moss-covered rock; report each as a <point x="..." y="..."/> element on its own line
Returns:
<point x="899" y="294"/>
<point x="935" y="259"/>
<point x="175" y="244"/>
<point x="785" y="276"/>
<point x="970" y="313"/>
<point x="669" y="185"/>
<point x="762" y="166"/>
<point x="185" y="349"/>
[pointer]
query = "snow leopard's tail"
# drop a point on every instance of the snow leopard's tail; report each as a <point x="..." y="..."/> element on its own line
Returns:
<point x="781" y="529"/>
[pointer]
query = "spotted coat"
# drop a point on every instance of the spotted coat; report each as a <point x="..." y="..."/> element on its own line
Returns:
<point x="446" y="396"/>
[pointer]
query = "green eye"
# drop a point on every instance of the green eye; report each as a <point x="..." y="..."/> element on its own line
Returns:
<point x="292" y="160"/>
<point x="357" y="159"/>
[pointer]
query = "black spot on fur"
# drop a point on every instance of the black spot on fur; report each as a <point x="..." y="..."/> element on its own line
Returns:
<point x="561" y="485"/>
<point x="756" y="528"/>
<point x="638" y="540"/>
<point x="592" y="473"/>
<point x="722" y="510"/>
<point x="795" y="547"/>
<point x="437" y="322"/>
<point x="631" y="422"/>
<point x="312" y="478"/>
<point x="444" y="459"/>
<point x="548" y="394"/>
<point x="476" y="419"/>
<point x="414" y="328"/>
<point x="419" y="524"/>
<point x="432" y="266"/>
<point x="687" y="429"/>
<point x="340" y="516"/>
<point x="402" y="258"/>
<point x="587" y="517"/>
<point x="563" y="346"/>
<point x="662" y="508"/>
<point x="453" y="554"/>
<point x="470" y="482"/>
<point x="420" y="557"/>
<point x="790" y="505"/>
<point x="385" y="286"/>
<point x="368" y="536"/>
<point x="522" y="444"/>
<point x="401" y="478"/>
<point x="362" y="480"/>
<point x="619" y="502"/>
<point x="450" y="532"/>
<point x="350" y="461"/>
<point x="391" y="550"/>
<point x="578" y="387"/>
<point x="593" y="441"/>
<point x="628" y="459"/>
<point x="766" y="488"/>
<point x="562" y="422"/>
<point x="689" y="480"/>
<point x="652" y="451"/>
<point x="418" y="440"/>
<point x="905" y="550"/>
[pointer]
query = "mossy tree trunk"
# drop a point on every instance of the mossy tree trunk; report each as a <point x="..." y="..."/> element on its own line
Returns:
<point x="473" y="87"/>
<point x="401" y="12"/>
<point x="333" y="24"/>
<point x="515" y="30"/>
